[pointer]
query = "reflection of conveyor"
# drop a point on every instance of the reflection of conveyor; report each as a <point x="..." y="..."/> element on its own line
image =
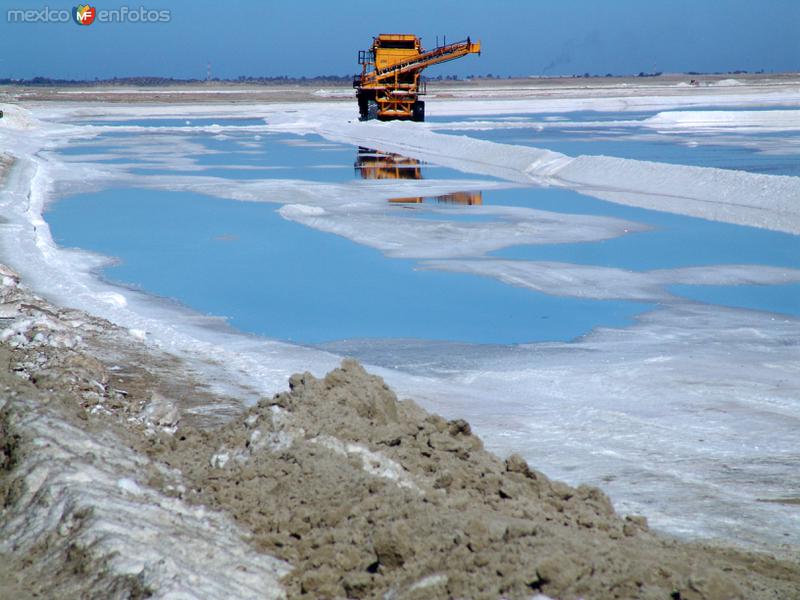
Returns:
<point x="371" y="164"/>
<point x="470" y="198"/>
<point x="383" y="165"/>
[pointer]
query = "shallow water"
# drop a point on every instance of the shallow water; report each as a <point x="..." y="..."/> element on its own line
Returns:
<point x="674" y="240"/>
<point x="693" y="151"/>
<point x="611" y="134"/>
<point x="276" y="278"/>
<point x="236" y="152"/>
<point x="383" y="297"/>
<point x="176" y="122"/>
<point x="782" y="299"/>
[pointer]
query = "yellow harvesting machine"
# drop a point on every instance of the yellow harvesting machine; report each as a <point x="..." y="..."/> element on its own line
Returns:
<point x="390" y="82"/>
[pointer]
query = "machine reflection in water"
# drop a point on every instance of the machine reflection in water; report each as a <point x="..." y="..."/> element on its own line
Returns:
<point x="373" y="164"/>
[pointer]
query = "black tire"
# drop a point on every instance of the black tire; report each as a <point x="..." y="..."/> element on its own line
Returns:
<point x="364" y="100"/>
<point x="418" y="111"/>
<point x="372" y="110"/>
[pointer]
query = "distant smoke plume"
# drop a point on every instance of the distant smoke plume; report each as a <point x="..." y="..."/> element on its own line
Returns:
<point x="591" y="41"/>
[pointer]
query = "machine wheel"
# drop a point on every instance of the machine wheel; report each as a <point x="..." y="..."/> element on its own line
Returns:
<point x="367" y="106"/>
<point x="362" y="107"/>
<point x="418" y="111"/>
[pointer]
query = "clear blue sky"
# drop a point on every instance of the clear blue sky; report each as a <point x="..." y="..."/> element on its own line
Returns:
<point x="533" y="37"/>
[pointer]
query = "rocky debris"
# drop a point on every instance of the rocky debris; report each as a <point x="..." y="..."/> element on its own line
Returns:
<point x="82" y="514"/>
<point x="80" y="520"/>
<point x="161" y="413"/>
<point x="49" y="347"/>
<point x="368" y="496"/>
<point x="108" y="369"/>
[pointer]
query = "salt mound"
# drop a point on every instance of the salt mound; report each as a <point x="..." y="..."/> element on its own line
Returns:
<point x="16" y="117"/>
<point x="771" y="120"/>
<point x="727" y="82"/>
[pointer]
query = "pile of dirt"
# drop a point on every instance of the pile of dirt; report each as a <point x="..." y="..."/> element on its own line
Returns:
<point x="367" y="496"/>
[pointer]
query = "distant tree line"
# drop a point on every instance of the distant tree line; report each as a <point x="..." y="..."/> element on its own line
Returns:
<point x="285" y="79"/>
<point x="161" y="81"/>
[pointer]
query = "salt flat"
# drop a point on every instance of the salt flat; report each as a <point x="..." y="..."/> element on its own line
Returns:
<point x="688" y="416"/>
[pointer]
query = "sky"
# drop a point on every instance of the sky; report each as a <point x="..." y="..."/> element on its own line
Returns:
<point x="320" y="37"/>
